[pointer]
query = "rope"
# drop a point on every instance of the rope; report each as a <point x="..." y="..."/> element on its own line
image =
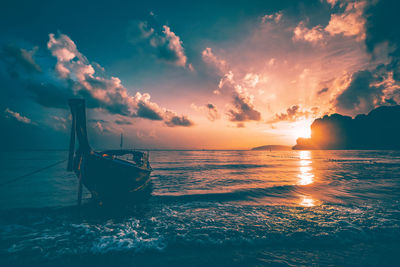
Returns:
<point x="31" y="173"/>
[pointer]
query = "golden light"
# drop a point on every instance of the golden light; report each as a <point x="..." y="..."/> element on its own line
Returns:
<point x="300" y="129"/>
<point x="305" y="175"/>
<point x="307" y="202"/>
<point x="303" y="130"/>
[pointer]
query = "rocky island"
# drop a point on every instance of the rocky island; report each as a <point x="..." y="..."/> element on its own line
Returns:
<point x="380" y="129"/>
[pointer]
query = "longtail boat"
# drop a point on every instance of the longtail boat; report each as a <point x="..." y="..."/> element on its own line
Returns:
<point x="111" y="175"/>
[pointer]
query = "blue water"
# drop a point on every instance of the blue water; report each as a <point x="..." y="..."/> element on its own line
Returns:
<point x="217" y="208"/>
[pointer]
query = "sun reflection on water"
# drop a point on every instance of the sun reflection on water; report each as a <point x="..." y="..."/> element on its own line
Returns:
<point x="305" y="176"/>
<point x="307" y="202"/>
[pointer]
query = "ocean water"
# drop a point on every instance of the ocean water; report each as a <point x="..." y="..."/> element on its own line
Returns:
<point x="216" y="208"/>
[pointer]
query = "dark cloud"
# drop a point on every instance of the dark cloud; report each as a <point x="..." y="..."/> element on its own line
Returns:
<point x="123" y="121"/>
<point x="243" y="108"/>
<point x="322" y="91"/>
<point x="48" y="94"/>
<point x="145" y="110"/>
<point x="168" y="46"/>
<point x="382" y="26"/>
<point x="360" y="95"/>
<point x="368" y="88"/>
<point x="139" y="31"/>
<point x="16" y="57"/>
<point x="212" y="112"/>
<point x="178" y="121"/>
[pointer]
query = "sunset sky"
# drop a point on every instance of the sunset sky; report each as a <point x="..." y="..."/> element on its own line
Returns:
<point x="204" y="75"/>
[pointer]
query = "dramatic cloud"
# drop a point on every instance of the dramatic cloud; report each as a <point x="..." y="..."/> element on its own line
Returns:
<point x="294" y="113"/>
<point x="13" y="56"/>
<point x="49" y="94"/>
<point x="349" y="23"/>
<point x="361" y="95"/>
<point x="172" y="120"/>
<point x="375" y="86"/>
<point x="75" y="76"/>
<point x="168" y="45"/>
<point x="227" y="78"/>
<point x="382" y="28"/>
<point x="221" y="66"/>
<point x="314" y="35"/>
<point x="9" y="114"/>
<point x="210" y="110"/>
<point x="100" y="92"/>
<point x="147" y="109"/>
<point x="145" y="30"/>
<point x="243" y="109"/>
<point x="251" y="79"/>
<point x="209" y="57"/>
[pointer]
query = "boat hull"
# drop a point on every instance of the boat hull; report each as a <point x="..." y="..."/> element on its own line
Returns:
<point x="111" y="179"/>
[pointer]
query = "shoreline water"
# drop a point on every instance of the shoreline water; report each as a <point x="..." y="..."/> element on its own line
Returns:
<point x="218" y="208"/>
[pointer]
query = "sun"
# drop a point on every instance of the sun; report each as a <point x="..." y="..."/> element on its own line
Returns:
<point x="301" y="129"/>
<point x="291" y="131"/>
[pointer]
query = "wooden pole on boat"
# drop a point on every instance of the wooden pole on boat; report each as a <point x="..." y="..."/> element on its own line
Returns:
<point x="78" y="111"/>
<point x="80" y="182"/>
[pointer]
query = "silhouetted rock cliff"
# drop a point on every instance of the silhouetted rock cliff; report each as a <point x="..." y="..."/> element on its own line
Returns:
<point x="380" y="129"/>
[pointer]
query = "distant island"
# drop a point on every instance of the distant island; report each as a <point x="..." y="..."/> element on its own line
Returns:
<point x="380" y="129"/>
<point x="272" y="147"/>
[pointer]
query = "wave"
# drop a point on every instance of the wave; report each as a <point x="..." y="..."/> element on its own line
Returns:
<point x="197" y="226"/>
<point x="201" y="167"/>
<point x="284" y="191"/>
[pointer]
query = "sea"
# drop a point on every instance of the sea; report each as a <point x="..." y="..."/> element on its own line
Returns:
<point x="208" y="208"/>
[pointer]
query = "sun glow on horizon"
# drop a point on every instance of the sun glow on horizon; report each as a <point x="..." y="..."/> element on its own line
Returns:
<point x="303" y="130"/>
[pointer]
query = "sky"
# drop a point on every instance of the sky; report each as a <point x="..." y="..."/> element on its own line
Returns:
<point x="185" y="75"/>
